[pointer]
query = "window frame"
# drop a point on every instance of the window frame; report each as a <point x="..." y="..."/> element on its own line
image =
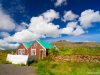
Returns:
<point x="35" y="44"/>
<point x="32" y="51"/>
<point x="21" y="51"/>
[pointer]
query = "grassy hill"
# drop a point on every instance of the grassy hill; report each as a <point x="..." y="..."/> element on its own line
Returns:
<point x="3" y="55"/>
<point x="64" y="43"/>
<point x="70" y="61"/>
<point x="71" y="58"/>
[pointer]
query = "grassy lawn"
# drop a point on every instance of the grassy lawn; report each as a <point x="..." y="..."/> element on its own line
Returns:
<point x="50" y="67"/>
<point x="3" y="56"/>
<point x="46" y="67"/>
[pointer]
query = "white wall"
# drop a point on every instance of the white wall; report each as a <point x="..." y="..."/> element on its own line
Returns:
<point x="17" y="59"/>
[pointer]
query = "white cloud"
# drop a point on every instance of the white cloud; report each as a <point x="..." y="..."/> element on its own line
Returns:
<point x="60" y="2"/>
<point x="88" y="17"/>
<point x="72" y="24"/>
<point x="73" y="29"/>
<point x="25" y="24"/>
<point x="69" y="15"/>
<point x="49" y="29"/>
<point x="42" y="24"/>
<point x="49" y="15"/>
<point x="69" y="28"/>
<point x="23" y="36"/>
<point x="22" y="26"/>
<point x="41" y="27"/>
<point x="78" y="31"/>
<point x="4" y="34"/>
<point x="6" y="22"/>
<point x="5" y="45"/>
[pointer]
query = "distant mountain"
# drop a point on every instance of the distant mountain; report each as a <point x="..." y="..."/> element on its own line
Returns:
<point x="64" y="43"/>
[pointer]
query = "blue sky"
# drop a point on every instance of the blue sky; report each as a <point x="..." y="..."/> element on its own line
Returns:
<point x="48" y="20"/>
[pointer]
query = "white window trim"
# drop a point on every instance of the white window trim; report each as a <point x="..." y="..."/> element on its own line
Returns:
<point x="34" y="50"/>
<point x="21" y="50"/>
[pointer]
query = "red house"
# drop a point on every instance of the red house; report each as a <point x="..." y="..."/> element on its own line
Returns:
<point x="23" y="49"/>
<point x="39" y="49"/>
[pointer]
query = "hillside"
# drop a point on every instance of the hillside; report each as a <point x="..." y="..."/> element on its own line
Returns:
<point x="64" y="43"/>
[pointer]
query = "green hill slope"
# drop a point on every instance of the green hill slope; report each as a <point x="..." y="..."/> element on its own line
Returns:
<point x="63" y="43"/>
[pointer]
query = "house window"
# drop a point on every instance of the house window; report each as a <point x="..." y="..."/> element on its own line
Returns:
<point x="33" y="52"/>
<point x="35" y="44"/>
<point x="21" y="52"/>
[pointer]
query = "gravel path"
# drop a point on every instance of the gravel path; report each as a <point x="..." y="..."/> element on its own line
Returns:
<point x="8" y="69"/>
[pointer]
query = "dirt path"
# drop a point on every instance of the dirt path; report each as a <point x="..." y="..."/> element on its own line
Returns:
<point x="8" y="69"/>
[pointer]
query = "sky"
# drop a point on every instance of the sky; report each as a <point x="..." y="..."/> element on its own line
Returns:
<point x="48" y="20"/>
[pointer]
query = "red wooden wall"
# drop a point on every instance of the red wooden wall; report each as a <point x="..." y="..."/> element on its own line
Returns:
<point x="38" y="47"/>
<point x="22" y="47"/>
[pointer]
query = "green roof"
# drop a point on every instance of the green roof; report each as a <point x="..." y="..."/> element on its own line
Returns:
<point x="45" y="44"/>
<point x="27" y="44"/>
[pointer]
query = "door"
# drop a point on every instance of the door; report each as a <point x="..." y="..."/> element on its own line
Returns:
<point x="41" y="54"/>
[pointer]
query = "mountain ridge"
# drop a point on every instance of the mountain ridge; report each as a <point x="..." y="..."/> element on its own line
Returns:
<point x="64" y="43"/>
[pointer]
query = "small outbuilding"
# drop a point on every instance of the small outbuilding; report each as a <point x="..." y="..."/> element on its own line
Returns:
<point x="39" y="49"/>
<point x="23" y="49"/>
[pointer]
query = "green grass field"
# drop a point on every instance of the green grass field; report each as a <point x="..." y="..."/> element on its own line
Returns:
<point x="3" y="55"/>
<point x="48" y="66"/>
